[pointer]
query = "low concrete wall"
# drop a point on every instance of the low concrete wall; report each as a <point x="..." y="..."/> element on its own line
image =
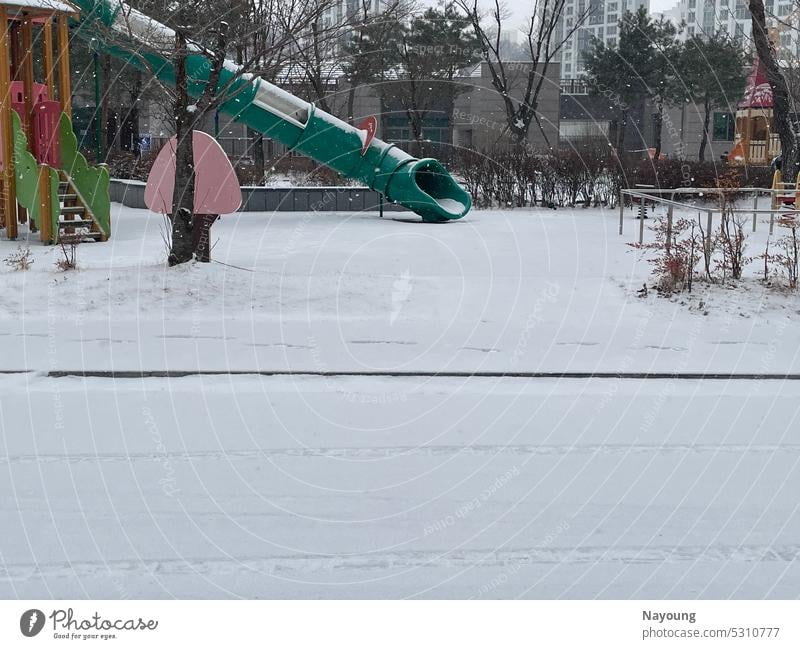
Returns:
<point x="276" y="199"/>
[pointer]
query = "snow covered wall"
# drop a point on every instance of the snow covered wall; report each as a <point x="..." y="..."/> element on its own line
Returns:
<point x="422" y="185"/>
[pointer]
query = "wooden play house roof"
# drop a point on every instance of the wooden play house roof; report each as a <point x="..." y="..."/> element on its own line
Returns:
<point x="37" y="7"/>
<point x="757" y="92"/>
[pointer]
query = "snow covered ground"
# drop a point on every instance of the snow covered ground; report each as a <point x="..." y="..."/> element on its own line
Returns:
<point x="301" y="486"/>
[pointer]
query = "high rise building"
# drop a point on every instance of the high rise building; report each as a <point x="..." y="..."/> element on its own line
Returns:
<point x="601" y="23"/>
<point x="732" y="16"/>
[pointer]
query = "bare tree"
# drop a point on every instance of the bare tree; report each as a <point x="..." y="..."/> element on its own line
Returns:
<point x="781" y="107"/>
<point x="195" y="43"/>
<point x="546" y="33"/>
<point x="313" y="57"/>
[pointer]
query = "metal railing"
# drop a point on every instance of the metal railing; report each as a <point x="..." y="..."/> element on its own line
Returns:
<point x="655" y="197"/>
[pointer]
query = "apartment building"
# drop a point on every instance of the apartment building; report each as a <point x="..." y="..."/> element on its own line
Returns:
<point x="601" y="23"/>
<point x="732" y="16"/>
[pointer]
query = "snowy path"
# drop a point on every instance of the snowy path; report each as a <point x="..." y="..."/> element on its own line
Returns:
<point x="308" y="487"/>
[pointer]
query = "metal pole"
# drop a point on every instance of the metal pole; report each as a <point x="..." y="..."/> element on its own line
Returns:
<point x="621" y="210"/>
<point x="771" y="222"/>
<point x="708" y="232"/>
<point x="216" y="125"/>
<point x="98" y="127"/>
<point x="755" y="207"/>
<point x="669" y="229"/>
<point x="380" y="204"/>
<point x="642" y="209"/>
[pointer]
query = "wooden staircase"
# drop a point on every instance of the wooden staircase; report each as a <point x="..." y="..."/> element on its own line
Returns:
<point x="75" y="222"/>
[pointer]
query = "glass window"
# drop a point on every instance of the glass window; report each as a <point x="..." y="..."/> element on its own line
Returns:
<point x="724" y="126"/>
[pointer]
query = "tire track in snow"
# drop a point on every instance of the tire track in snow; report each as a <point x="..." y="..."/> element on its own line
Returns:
<point x="383" y="561"/>
<point x="370" y="453"/>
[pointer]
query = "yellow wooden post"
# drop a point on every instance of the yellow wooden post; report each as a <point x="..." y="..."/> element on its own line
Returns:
<point x="49" y="71"/>
<point x="43" y="191"/>
<point x="64" y="85"/>
<point x="797" y="191"/>
<point x="27" y="76"/>
<point x="776" y="183"/>
<point x="9" y="186"/>
<point x="748" y="131"/>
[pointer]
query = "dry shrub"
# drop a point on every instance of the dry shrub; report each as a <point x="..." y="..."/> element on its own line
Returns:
<point x="20" y="259"/>
<point x="69" y="250"/>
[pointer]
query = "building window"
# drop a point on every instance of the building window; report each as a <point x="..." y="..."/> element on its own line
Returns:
<point x="612" y="18"/>
<point x="724" y="126"/>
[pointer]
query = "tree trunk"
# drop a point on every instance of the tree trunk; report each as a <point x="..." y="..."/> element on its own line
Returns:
<point x="351" y="102"/>
<point x="182" y="247"/>
<point x="257" y="147"/>
<point x="701" y="156"/>
<point x="622" y="126"/>
<point x="657" y="128"/>
<point x="780" y="91"/>
<point x="416" y="132"/>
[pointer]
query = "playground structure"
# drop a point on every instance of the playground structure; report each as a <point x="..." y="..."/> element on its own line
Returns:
<point x="756" y="142"/>
<point x="46" y="182"/>
<point x="49" y="184"/>
<point x="422" y="185"/>
<point x="785" y="193"/>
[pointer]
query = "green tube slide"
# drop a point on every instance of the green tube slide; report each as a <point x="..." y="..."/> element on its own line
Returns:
<point x="422" y="185"/>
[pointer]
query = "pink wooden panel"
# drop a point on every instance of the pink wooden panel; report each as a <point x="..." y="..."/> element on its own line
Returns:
<point x="17" y="91"/>
<point x="47" y="139"/>
<point x="216" y="185"/>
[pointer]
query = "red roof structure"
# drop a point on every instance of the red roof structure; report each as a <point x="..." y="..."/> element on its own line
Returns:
<point x="757" y="92"/>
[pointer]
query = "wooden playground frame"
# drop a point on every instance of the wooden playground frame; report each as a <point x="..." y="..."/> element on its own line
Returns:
<point x="17" y="23"/>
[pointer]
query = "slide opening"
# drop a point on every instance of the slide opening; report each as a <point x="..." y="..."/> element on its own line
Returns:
<point x="436" y="182"/>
